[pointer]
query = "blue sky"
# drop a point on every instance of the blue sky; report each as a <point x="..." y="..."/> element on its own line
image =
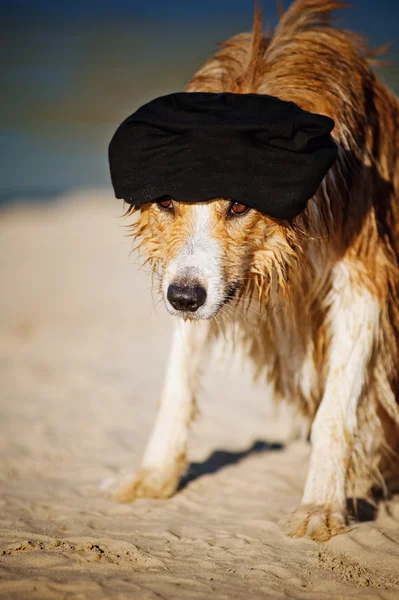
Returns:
<point x="378" y="18"/>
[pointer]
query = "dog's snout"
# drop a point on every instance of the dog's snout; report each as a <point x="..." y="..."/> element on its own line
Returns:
<point x="186" y="297"/>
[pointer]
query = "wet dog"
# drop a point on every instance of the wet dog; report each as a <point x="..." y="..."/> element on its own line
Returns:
<point x="318" y="293"/>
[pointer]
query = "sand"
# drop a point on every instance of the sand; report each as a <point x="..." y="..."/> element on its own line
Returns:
<point x="81" y="365"/>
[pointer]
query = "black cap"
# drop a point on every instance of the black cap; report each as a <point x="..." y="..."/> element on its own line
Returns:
<point x="192" y="146"/>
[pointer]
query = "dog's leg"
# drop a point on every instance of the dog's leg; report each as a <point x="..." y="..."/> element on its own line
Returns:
<point x="353" y="326"/>
<point x="165" y="456"/>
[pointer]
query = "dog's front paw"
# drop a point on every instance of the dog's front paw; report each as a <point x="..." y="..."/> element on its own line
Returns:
<point x="145" y="483"/>
<point x="319" y="522"/>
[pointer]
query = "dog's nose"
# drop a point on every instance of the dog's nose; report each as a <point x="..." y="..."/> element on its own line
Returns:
<point x="186" y="297"/>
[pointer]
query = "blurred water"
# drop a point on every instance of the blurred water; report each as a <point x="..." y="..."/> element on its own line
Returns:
<point x="68" y="88"/>
<point x="71" y="71"/>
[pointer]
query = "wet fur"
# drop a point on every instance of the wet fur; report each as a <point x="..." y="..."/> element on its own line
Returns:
<point x="315" y="302"/>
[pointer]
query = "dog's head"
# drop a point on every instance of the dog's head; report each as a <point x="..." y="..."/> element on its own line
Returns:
<point x="259" y="150"/>
<point x="213" y="253"/>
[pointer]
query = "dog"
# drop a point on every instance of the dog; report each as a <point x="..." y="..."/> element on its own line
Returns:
<point x="313" y="302"/>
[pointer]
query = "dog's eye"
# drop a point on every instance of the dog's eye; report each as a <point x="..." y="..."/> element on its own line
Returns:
<point x="166" y="204"/>
<point x="238" y="209"/>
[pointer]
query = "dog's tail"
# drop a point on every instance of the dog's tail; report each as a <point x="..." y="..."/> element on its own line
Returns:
<point x="256" y="51"/>
<point x="304" y="15"/>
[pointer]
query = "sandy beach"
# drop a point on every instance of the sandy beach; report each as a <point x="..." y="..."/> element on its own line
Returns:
<point x="82" y="359"/>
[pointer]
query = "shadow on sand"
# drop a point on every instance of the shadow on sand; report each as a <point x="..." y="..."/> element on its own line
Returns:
<point x="363" y="510"/>
<point x="222" y="458"/>
<point x="360" y="509"/>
